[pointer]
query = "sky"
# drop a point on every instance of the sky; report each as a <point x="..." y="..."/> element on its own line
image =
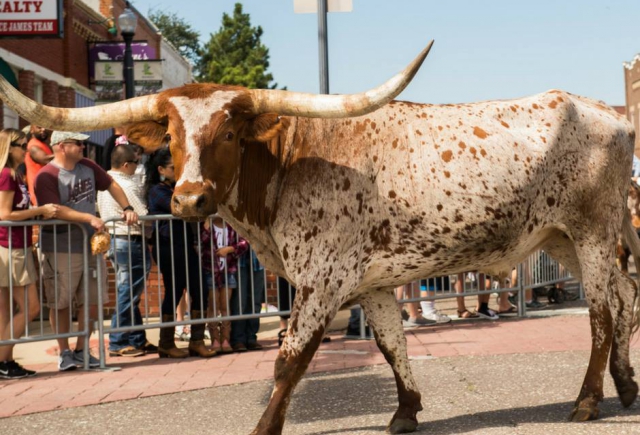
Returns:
<point x="484" y="49"/>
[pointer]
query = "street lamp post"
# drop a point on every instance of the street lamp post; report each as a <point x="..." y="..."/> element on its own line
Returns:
<point x="127" y="22"/>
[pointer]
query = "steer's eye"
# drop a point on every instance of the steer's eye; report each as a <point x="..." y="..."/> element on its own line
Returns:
<point x="229" y="135"/>
<point x="167" y="138"/>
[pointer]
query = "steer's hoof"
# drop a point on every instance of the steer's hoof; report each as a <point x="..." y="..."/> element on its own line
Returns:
<point x="583" y="414"/>
<point x="402" y="425"/>
<point x="628" y="393"/>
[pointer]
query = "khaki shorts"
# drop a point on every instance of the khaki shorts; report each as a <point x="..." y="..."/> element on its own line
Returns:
<point x="21" y="265"/>
<point x="64" y="280"/>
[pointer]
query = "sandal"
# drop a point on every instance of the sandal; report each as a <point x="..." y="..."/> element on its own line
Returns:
<point x="466" y="314"/>
<point x="510" y="310"/>
<point x="281" y="335"/>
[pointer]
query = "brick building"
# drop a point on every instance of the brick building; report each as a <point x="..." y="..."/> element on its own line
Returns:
<point x="632" y="95"/>
<point x="59" y="71"/>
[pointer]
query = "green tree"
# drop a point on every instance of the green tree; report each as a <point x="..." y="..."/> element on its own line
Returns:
<point x="179" y="33"/>
<point x="235" y="56"/>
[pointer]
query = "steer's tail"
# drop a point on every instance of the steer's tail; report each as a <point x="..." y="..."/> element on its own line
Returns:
<point x="631" y="237"/>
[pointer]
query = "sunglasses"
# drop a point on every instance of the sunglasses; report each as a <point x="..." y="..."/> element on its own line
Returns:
<point x="133" y="161"/>
<point x="21" y="145"/>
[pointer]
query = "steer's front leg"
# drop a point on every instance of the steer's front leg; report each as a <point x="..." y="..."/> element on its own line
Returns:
<point x="309" y="320"/>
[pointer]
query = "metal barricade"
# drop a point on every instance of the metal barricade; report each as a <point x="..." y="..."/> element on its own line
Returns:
<point x="63" y="240"/>
<point x="242" y="300"/>
<point x="243" y="303"/>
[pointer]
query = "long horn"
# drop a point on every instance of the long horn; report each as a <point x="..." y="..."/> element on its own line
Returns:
<point x="81" y="119"/>
<point x="336" y="106"/>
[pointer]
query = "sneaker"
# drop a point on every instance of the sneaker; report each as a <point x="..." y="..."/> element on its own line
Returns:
<point x="12" y="370"/>
<point x="418" y="321"/>
<point x="535" y="305"/>
<point x="488" y="314"/>
<point x="437" y="316"/>
<point x="78" y="357"/>
<point x="27" y="371"/>
<point x="178" y="332"/>
<point x="66" y="361"/>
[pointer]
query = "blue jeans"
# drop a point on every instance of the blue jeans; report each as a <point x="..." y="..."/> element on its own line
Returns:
<point x="246" y="331"/>
<point x="130" y="279"/>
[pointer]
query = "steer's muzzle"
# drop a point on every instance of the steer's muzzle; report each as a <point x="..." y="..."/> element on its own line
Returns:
<point x="192" y="206"/>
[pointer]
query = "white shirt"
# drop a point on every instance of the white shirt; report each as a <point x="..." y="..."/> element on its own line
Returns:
<point x="110" y="209"/>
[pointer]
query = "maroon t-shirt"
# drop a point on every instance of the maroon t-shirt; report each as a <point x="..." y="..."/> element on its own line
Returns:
<point x="75" y="189"/>
<point x="19" y="238"/>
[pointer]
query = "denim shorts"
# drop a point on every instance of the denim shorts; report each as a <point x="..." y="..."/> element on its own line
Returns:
<point x="232" y="280"/>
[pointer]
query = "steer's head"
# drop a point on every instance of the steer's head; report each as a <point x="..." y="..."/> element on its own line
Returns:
<point x="205" y="126"/>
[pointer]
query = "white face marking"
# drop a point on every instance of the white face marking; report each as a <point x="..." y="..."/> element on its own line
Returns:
<point x="196" y="114"/>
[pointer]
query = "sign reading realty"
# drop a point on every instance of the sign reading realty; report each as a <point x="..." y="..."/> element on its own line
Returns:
<point x="31" y="18"/>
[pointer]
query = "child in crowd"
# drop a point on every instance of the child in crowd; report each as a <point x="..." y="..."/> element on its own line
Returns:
<point x="221" y="247"/>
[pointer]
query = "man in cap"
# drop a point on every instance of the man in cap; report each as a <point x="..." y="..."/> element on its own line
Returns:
<point x="71" y="181"/>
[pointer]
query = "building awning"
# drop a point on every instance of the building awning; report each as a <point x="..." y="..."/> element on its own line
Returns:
<point x="7" y="73"/>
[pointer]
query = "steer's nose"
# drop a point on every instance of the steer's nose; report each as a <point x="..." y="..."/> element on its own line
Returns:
<point x="189" y="205"/>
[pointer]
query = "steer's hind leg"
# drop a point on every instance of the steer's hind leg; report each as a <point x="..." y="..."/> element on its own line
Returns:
<point x="381" y="308"/>
<point x="623" y="293"/>
<point x="591" y="260"/>
<point x="596" y="263"/>
<point x="312" y="312"/>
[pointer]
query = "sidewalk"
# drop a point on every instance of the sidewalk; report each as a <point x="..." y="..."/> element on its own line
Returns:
<point x="546" y="331"/>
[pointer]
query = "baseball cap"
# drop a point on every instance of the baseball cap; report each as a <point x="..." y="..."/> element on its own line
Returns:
<point x="61" y="136"/>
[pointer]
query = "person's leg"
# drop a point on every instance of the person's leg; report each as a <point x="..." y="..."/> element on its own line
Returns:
<point x="123" y="314"/>
<point x="253" y="325"/>
<point x="225" y="326"/>
<point x="82" y="321"/>
<point x="9" y="368"/>
<point x="484" y="283"/>
<point x="199" y="295"/>
<point x="463" y="313"/>
<point x="167" y="347"/>
<point x="6" y="352"/>
<point x="239" y="305"/>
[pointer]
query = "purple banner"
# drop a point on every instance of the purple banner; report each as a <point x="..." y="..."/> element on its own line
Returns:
<point x="115" y="51"/>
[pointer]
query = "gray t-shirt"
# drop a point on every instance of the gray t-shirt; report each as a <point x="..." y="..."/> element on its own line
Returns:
<point x="75" y="189"/>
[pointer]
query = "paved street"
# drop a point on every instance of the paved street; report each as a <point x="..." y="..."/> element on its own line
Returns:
<point x="513" y="376"/>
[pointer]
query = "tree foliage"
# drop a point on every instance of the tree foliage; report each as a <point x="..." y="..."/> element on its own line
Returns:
<point x="179" y="33"/>
<point x="234" y="54"/>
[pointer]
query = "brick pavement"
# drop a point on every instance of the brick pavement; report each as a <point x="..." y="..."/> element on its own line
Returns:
<point x="149" y="376"/>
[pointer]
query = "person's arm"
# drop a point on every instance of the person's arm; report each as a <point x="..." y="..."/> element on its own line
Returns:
<point x="39" y="156"/>
<point x="129" y="215"/>
<point x="69" y="214"/>
<point x="8" y="214"/>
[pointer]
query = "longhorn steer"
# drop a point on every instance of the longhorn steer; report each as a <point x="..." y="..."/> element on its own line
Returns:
<point x="348" y="209"/>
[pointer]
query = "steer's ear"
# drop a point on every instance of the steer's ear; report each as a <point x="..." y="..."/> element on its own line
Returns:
<point x="265" y="127"/>
<point x="149" y="135"/>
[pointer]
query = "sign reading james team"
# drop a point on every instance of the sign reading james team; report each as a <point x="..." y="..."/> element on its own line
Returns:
<point x="31" y="18"/>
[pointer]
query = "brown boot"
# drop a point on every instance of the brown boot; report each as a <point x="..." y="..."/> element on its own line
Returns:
<point x="167" y="345"/>
<point x="196" y="344"/>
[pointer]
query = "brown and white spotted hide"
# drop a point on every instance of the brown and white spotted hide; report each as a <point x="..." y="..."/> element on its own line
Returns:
<point x="346" y="207"/>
